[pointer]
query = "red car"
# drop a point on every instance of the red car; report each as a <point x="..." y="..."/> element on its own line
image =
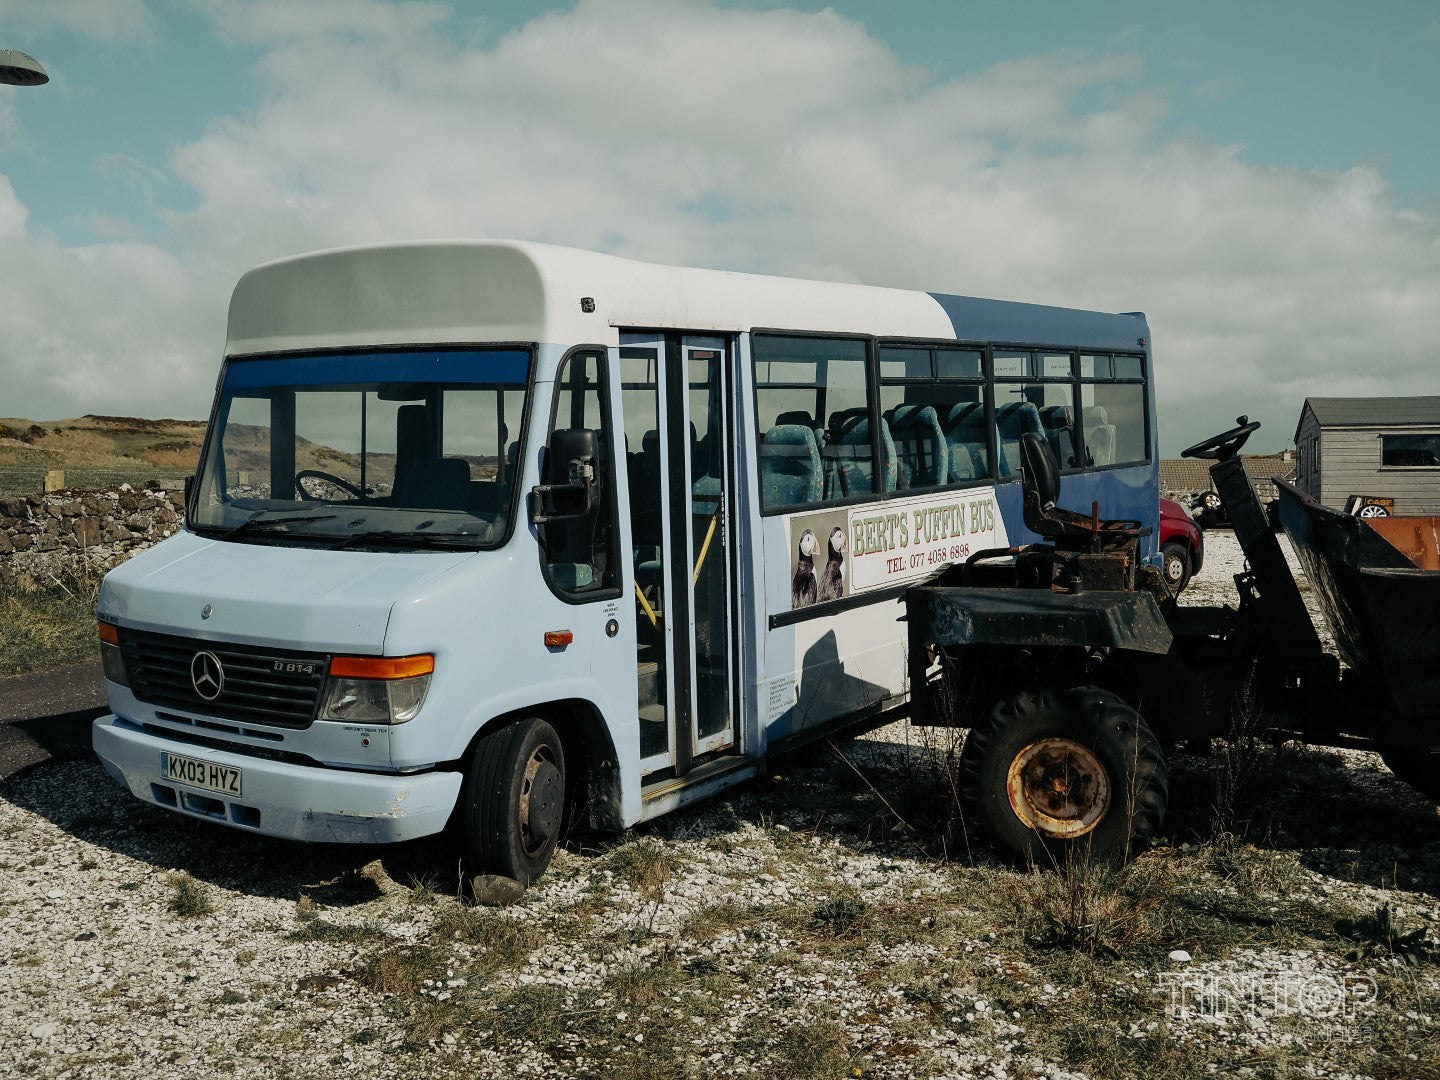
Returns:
<point x="1182" y="545"/>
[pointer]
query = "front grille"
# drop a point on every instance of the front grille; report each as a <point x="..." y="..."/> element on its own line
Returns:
<point x="266" y="686"/>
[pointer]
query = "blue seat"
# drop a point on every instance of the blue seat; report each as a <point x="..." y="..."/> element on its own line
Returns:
<point x="964" y="427"/>
<point x="790" y="467"/>
<point x="1013" y="419"/>
<point x="1059" y="424"/>
<point x="921" y="454"/>
<point x="847" y="454"/>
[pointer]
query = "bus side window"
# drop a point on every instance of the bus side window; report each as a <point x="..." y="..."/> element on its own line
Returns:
<point x="1112" y="409"/>
<point x="577" y="552"/>
<point x="813" y="421"/>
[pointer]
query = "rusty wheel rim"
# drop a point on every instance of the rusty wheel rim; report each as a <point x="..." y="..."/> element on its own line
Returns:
<point x="541" y="801"/>
<point x="1058" y="787"/>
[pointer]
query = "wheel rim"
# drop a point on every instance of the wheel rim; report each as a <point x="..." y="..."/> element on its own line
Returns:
<point x="1058" y="787"/>
<point x="1373" y="511"/>
<point x="1174" y="569"/>
<point x="542" y="800"/>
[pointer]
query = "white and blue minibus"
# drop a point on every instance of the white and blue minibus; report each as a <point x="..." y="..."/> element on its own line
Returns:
<point x="488" y="532"/>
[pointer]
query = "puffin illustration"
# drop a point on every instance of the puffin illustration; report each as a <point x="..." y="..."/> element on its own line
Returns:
<point x="802" y="586"/>
<point x="832" y="578"/>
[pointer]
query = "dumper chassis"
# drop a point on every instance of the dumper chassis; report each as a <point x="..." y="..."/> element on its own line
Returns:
<point x="1073" y="667"/>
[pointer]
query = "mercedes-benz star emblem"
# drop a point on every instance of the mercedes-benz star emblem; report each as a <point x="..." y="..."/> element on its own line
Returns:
<point x="207" y="675"/>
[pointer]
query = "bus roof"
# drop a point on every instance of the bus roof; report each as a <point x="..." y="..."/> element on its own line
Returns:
<point x="516" y="291"/>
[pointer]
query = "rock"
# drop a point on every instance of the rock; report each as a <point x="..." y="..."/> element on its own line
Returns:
<point x="87" y="531"/>
<point x="1180" y="956"/>
<point x="494" y="890"/>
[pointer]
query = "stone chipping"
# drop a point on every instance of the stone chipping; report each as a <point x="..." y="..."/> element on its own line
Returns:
<point x="108" y="970"/>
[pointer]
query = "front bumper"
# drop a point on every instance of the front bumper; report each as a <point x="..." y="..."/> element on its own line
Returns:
<point x="278" y="798"/>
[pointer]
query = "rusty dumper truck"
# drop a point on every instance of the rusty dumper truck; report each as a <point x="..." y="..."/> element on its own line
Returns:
<point x="1074" y="669"/>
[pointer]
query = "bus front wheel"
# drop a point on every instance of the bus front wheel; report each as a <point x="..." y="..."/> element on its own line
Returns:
<point x="515" y="801"/>
<point x="1055" y="775"/>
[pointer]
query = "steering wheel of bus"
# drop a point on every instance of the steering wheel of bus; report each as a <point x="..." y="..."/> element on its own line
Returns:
<point x="1227" y="444"/>
<point x="329" y="478"/>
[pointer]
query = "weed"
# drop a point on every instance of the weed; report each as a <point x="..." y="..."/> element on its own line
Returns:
<point x="1090" y="906"/>
<point x="188" y="898"/>
<point x="813" y="1048"/>
<point x="839" y="915"/>
<point x="400" y="970"/>
<point x="47" y="623"/>
<point x="536" y="1012"/>
<point x="502" y="943"/>
<point x="1240" y="758"/>
<point x="707" y="923"/>
<point x="1379" y="935"/>
<point x="639" y="985"/>
<point x="645" y="865"/>
<point x="424" y="890"/>
<point x="1251" y="871"/>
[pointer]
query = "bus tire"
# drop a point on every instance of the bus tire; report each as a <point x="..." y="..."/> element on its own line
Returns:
<point x="1414" y="767"/>
<point x="1059" y="775"/>
<point x="515" y="800"/>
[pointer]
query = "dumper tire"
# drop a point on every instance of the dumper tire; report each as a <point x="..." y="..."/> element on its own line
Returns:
<point x="1414" y="767"/>
<point x="1059" y="775"/>
<point x="515" y="800"/>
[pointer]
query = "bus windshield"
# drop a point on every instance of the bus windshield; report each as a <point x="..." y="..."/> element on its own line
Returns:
<point x="414" y="448"/>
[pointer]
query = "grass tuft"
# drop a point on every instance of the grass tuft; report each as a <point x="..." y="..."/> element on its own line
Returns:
<point x="188" y="898"/>
<point x="48" y="623"/>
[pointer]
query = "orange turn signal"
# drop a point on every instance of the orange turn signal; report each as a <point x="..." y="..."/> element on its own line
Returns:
<point x="382" y="667"/>
<point x="554" y="639"/>
<point x="109" y="633"/>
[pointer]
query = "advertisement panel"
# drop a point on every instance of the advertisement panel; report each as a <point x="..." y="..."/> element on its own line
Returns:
<point x="841" y="552"/>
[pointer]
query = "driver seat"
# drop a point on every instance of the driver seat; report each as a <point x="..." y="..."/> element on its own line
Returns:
<point x="1066" y="529"/>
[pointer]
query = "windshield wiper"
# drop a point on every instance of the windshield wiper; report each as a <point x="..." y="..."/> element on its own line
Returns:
<point x="260" y="524"/>
<point x="400" y="538"/>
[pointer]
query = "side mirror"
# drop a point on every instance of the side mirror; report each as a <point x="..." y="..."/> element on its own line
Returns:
<point x="573" y="483"/>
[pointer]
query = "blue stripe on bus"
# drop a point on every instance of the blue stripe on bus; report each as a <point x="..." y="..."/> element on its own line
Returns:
<point x="1038" y="324"/>
<point x="418" y="365"/>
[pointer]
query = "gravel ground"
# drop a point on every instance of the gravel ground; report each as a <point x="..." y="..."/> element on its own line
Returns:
<point x="805" y="926"/>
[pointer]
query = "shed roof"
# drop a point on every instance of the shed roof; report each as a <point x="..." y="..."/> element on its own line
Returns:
<point x="1371" y="411"/>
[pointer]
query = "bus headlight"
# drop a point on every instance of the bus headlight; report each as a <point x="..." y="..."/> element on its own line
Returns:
<point x="376" y="689"/>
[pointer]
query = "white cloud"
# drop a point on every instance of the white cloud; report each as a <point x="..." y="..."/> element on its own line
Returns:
<point x="113" y="21"/>
<point x="782" y="142"/>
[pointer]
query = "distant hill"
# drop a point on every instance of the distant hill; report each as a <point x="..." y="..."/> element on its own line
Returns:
<point x="96" y="451"/>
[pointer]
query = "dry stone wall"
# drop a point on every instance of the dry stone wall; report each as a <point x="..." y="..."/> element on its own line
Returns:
<point x="44" y="537"/>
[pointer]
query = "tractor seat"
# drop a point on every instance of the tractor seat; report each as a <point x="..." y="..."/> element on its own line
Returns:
<point x="1066" y="529"/>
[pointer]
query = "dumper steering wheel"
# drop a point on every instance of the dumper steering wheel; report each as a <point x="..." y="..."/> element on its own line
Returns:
<point x="1227" y="444"/>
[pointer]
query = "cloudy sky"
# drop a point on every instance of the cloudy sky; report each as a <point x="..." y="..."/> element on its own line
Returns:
<point x="1262" y="179"/>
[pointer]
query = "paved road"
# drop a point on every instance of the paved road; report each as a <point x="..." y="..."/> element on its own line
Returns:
<point x="46" y="716"/>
